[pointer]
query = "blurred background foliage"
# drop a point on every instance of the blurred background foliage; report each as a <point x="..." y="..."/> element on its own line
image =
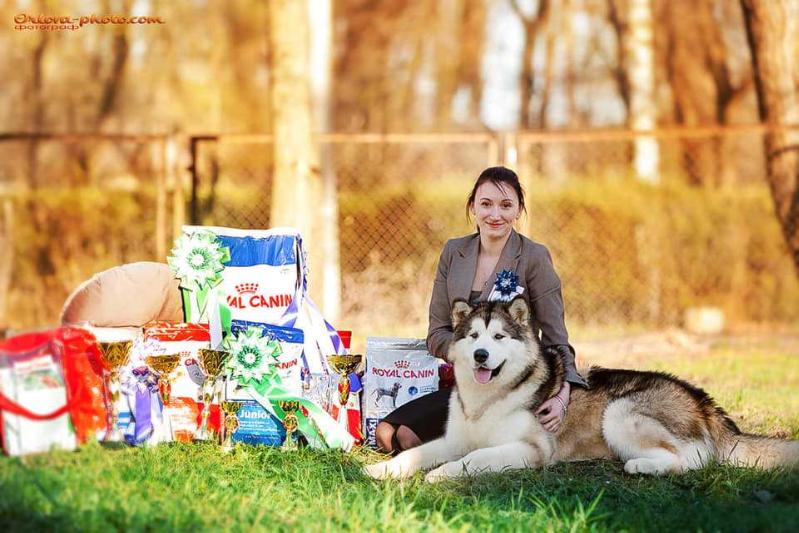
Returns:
<point x="545" y="87"/>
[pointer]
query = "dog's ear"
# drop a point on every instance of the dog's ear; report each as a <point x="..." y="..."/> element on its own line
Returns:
<point x="460" y="310"/>
<point x="519" y="310"/>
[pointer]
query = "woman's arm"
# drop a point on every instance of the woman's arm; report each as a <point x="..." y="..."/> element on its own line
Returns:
<point x="546" y="300"/>
<point x="439" y="331"/>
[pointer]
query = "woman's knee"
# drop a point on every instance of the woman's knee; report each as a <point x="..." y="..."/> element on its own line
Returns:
<point x="384" y="436"/>
<point x="406" y="438"/>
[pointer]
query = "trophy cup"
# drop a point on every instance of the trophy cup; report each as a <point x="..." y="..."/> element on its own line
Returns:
<point x="344" y="365"/>
<point x="114" y="356"/>
<point x="290" y="422"/>
<point x="211" y="362"/>
<point x="164" y="365"/>
<point x="231" y="423"/>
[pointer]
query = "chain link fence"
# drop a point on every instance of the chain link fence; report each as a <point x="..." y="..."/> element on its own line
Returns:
<point x="73" y="205"/>
<point x="631" y="253"/>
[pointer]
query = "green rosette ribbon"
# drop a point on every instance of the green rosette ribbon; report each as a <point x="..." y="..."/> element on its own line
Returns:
<point x="253" y="365"/>
<point x="198" y="260"/>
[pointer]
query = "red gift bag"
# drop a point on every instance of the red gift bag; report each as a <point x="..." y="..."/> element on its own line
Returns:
<point x="84" y="376"/>
<point x="44" y="377"/>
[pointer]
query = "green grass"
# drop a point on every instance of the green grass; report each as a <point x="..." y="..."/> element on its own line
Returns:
<point x="188" y="487"/>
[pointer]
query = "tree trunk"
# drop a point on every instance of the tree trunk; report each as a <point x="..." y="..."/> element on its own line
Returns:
<point x="532" y="26"/>
<point x="638" y="49"/>
<point x="693" y="90"/>
<point x="617" y="10"/>
<point x="296" y="186"/>
<point x="37" y="108"/>
<point x="321" y="22"/>
<point x="445" y="15"/>
<point x="771" y="27"/>
<point x="472" y="41"/>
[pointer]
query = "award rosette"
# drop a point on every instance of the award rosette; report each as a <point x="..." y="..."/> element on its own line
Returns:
<point x="198" y="260"/>
<point x="144" y="402"/>
<point x="252" y="367"/>
<point x="506" y="287"/>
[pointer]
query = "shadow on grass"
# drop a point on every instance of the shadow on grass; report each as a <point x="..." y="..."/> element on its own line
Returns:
<point x="599" y="495"/>
<point x="186" y="487"/>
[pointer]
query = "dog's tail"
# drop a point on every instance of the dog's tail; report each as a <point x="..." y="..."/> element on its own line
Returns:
<point x="762" y="452"/>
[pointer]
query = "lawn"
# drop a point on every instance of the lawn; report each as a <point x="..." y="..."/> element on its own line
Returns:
<point x="187" y="487"/>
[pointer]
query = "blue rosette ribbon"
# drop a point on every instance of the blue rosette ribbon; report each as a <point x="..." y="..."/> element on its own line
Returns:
<point x="506" y="287"/>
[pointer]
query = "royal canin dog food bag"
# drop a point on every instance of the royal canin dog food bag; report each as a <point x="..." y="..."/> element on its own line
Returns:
<point x="261" y="279"/>
<point x="256" y="424"/>
<point x="397" y="371"/>
<point x="181" y="414"/>
<point x="264" y="282"/>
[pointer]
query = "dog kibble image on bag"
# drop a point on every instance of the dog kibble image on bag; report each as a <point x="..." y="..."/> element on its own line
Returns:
<point x="397" y="371"/>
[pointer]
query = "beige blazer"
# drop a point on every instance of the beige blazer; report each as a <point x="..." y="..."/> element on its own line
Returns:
<point x="530" y="261"/>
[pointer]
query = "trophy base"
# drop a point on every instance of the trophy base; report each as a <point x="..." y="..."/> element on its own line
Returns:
<point x="202" y="435"/>
<point x="289" y="445"/>
<point x="227" y="448"/>
<point x="114" y="439"/>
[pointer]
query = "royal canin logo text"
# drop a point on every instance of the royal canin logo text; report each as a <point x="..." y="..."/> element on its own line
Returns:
<point x="407" y="374"/>
<point x="258" y="300"/>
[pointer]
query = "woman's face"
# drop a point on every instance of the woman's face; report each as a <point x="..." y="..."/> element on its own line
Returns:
<point x="496" y="208"/>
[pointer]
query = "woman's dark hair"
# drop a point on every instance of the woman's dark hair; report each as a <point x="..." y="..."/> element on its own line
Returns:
<point x="498" y="176"/>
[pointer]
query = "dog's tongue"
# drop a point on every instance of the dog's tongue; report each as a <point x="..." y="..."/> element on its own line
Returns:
<point x="482" y="375"/>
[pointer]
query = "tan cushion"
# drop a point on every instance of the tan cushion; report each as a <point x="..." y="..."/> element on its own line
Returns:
<point x="127" y="295"/>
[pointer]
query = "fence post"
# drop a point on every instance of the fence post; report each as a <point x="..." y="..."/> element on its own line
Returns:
<point x="195" y="180"/>
<point x="160" y="201"/>
<point x="6" y="260"/>
<point x="493" y="151"/>
<point x="510" y="156"/>
<point x="175" y="183"/>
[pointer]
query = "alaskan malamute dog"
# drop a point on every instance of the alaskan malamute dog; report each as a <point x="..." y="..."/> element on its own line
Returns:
<point x="654" y="422"/>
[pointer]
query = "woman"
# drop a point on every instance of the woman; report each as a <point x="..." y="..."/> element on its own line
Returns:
<point x="468" y="269"/>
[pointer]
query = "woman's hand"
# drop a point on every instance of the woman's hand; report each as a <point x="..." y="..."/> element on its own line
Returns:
<point x="553" y="411"/>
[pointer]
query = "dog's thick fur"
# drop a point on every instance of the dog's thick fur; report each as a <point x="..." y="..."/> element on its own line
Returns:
<point x="654" y="422"/>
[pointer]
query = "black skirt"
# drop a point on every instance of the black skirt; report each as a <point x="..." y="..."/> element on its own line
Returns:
<point x="426" y="416"/>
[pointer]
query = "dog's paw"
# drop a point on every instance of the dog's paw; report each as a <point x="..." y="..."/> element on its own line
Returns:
<point x="651" y="467"/>
<point x="436" y="475"/>
<point x="387" y="470"/>
<point x="377" y="470"/>
<point x="439" y="474"/>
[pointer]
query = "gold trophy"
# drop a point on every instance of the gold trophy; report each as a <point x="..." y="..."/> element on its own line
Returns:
<point x="164" y="365"/>
<point x="344" y="365"/>
<point x="290" y="422"/>
<point x="231" y="423"/>
<point x="211" y="363"/>
<point x="114" y="356"/>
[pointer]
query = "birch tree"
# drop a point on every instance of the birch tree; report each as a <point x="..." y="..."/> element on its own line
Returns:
<point x="633" y="19"/>
<point x="321" y="21"/>
<point x="771" y="28"/>
<point x="532" y="25"/>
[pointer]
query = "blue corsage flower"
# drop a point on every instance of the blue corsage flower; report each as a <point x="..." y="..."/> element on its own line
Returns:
<point x="506" y="286"/>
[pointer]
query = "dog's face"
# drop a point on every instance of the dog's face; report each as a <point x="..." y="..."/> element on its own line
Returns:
<point x="493" y="341"/>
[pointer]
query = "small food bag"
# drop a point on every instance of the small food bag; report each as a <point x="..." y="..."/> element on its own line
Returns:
<point x="256" y="423"/>
<point x="182" y="410"/>
<point x="255" y="370"/>
<point x="397" y="371"/>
